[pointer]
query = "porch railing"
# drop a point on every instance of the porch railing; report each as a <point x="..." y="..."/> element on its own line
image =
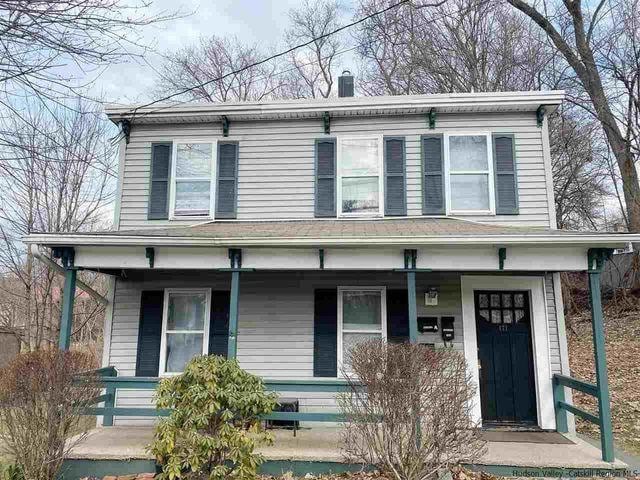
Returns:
<point x="108" y="379"/>
<point x="562" y="408"/>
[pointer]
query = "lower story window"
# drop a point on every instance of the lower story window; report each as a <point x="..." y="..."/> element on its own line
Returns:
<point x="361" y="317"/>
<point x="185" y="328"/>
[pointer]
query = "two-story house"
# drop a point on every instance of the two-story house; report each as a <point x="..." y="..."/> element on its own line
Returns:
<point x="283" y="232"/>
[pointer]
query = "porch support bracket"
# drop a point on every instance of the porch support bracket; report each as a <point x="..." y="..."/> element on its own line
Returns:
<point x="67" y="256"/>
<point x="597" y="258"/>
<point x="225" y="126"/>
<point x="321" y="258"/>
<point x="431" y="118"/>
<point x="150" y="253"/>
<point x="326" y="121"/>
<point x="410" y="260"/>
<point x="540" y="115"/>
<point x="502" y="256"/>
<point x="235" y="257"/>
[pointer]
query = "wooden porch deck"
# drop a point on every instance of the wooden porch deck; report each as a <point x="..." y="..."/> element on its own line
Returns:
<point x="322" y="446"/>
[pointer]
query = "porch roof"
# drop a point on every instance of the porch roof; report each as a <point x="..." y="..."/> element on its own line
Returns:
<point x="337" y="232"/>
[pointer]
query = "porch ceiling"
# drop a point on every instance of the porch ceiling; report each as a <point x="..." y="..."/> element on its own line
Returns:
<point x="338" y="232"/>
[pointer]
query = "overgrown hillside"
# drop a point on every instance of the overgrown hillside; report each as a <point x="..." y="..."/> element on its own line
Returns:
<point x="622" y="327"/>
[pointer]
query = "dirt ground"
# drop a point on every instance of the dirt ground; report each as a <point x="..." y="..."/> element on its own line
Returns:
<point x="622" y="329"/>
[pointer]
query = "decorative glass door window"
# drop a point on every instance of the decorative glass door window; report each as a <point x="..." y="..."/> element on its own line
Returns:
<point x="503" y="308"/>
<point x="361" y="317"/>
<point x="470" y="174"/>
<point x="193" y="179"/>
<point x="360" y="167"/>
<point x="185" y="328"/>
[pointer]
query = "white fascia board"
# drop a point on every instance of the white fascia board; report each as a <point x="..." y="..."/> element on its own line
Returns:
<point x="590" y="240"/>
<point x="342" y="106"/>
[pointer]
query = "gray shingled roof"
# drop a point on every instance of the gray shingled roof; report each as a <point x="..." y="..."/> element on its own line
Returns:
<point x="405" y="227"/>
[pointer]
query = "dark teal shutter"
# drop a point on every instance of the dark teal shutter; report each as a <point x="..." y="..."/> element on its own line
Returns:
<point x="159" y="182"/>
<point x="325" y="333"/>
<point x="504" y="165"/>
<point x="227" y="191"/>
<point x="432" y="175"/>
<point x="397" y="316"/>
<point x="325" y="156"/>
<point x="219" y="323"/>
<point x="149" y="333"/>
<point x="395" y="196"/>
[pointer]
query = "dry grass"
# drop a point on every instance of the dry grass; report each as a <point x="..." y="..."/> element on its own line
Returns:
<point x="622" y="328"/>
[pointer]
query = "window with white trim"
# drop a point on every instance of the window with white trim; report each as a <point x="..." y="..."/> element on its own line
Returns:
<point x="362" y="316"/>
<point x="185" y="328"/>
<point x="192" y="179"/>
<point x="360" y="179"/>
<point x="470" y="174"/>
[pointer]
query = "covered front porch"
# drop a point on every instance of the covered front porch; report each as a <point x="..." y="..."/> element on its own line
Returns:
<point x="443" y="287"/>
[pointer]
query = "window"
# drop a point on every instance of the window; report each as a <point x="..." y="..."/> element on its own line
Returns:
<point x="362" y="316"/>
<point x="192" y="174"/>
<point x="470" y="174"/>
<point x="185" y="328"/>
<point x="360" y="184"/>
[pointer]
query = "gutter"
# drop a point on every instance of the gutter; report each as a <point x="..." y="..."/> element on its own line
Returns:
<point x="35" y="251"/>
<point x="408" y="103"/>
<point x="586" y="240"/>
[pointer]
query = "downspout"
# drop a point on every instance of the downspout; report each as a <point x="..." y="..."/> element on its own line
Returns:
<point x="35" y="251"/>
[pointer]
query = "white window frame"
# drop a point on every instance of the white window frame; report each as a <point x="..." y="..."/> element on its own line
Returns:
<point x="174" y="180"/>
<point x="488" y="171"/>
<point x="165" y="319"/>
<point x="342" y="331"/>
<point x="339" y="140"/>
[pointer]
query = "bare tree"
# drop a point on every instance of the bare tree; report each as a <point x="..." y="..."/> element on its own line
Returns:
<point x="56" y="175"/>
<point x="600" y="43"/>
<point x="580" y="170"/>
<point x="408" y="409"/>
<point x="313" y="65"/>
<point x="48" y="48"/>
<point x="196" y="67"/>
<point x="459" y="46"/>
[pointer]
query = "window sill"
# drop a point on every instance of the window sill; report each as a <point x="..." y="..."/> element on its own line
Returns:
<point x="471" y="212"/>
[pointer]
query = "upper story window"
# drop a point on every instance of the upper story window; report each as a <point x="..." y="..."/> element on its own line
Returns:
<point x="469" y="174"/>
<point x="192" y="177"/>
<point x="360" y="179"/>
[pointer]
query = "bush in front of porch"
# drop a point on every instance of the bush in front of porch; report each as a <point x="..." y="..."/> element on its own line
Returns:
<point x="409" y="409"/>
<point x="43" y="395"/>
<point x="214" y="425"/>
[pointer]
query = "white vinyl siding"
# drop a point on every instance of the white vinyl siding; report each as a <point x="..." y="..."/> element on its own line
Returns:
<point x="276" y="163"/>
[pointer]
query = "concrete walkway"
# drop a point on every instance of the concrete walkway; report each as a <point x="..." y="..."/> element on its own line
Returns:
<point x="322" y="444"/>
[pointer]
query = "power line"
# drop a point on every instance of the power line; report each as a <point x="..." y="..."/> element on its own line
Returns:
<point x="277" y="55"/>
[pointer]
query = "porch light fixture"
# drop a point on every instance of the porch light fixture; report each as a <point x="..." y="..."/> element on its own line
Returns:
<point x="431" y="297"/>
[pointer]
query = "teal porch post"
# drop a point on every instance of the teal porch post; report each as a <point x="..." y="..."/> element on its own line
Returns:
<point x="410" y="257"/>
<point x="597" y="258"/>
<point x="66" y="254"/>
<point x="235" y="255"/>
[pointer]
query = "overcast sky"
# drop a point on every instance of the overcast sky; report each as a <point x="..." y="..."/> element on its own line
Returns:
<point x="260" y="21"/>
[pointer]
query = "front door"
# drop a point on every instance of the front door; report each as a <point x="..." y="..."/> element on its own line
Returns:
<point x="505" y="354"/>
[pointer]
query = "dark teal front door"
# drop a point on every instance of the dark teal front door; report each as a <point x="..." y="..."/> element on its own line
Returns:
<point x="505" y="354"/>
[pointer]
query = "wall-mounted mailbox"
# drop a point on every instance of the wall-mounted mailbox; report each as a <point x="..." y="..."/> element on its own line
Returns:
<point x="447" y="328"/>
<point x="427" y="324"/>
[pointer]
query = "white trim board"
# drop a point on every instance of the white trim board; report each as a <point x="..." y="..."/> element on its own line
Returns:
<point x="478" y="258"/>
<point x="540" y="334"/>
